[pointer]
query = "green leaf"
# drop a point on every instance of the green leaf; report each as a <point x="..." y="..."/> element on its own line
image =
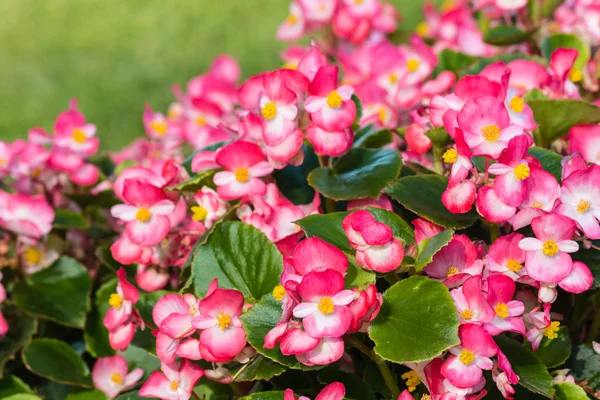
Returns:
<point x="584" y="362"/>
<point x="569" y="391"/>
<point x="438" y="136"/>
<point x="133" y="395"/>
<point x="477" y="67"/>
<point x="373" y="378"/>
<point x="532" y="373"/>
<point x="356" y="388"/>
<point x="12" y="385"/>
<point x="211" y="390"/>
<point x="534" y="94"/>
<point x="260" y="368"/>
<point x="21" y="329"/>
<point x="359" y="174"/>
<point x="60" y="293"/>
<point x="359" y="108"/>
<point x="428" y="202"/>
<point x="23" y="396"/>
<point x="95" y="336"/>
<point x="258" y="321"/>
<point x="204" y="178"/>
<point x="67" y="219"/>
<point x="567" y="41"/>
<point x="372" y="138"/>
<point x="548" y="7"/>
<point x="56" y="361"/>
<point x="291" y="180"/>
<point x="554" y="352"/>
<point x="264" y="396"/>
<point x="428" y="247"/>
<point x="356" y="276"/>
<point x="506" y="35"/>
<point x="140" y="358"/>
<point x="103" y="295"/>
<point x="241" y="257"/>
<point x="87" y="395"/>
<point x="550" y="160"/>
<point x="417" y="321"/>
<point x="556" y="117"/>
<point x="104" y="254"/>
<point x="449" y="60"/>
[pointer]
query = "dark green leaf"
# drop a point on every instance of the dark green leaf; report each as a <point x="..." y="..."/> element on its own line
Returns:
<point x="438" y="136"/>
<point x="356" y="388"/>
<point x="67" y="219"/>
<point x="569" y="391"/>
<point x="449" y="60"/>
<point x="422" y="194"/>
<point x="554" y="352"/>
<point x="21" y="329"/>
<point x="373" y="378"/>
<point x="584" y="362"/>
<point x="556" y="117"/>
<point x="550" y="160"/>
<point x="134" y="395"/>
<point x="96" y="336"/>
<point x="506" y="35"/>
<point x="260" y="368"/>
<point x="140" y="358"/>
<point x="428" y="247"/>
<point x="359" y="174"/>
<point x="291" y="180"/>
<point x="12" y="385"/>
<point x="264" y="396"/>
<point x="417" y="321"/>
<point x="204" y="178"/>
<point x="103" y="295"/>
<point x="372" y="138"/>
<point x="567" y="41"/>
<point x="104" y="254"/>
<point x="57" y="361"/>
<point x="23" y="396"/>
<point x="60" y="293"/>
<point x="356" y="276"/>
<point x="87" y="395"/>
<point x="211" y="390"/>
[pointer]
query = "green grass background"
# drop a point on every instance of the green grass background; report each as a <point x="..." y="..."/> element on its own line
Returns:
<point x="114" y="55"/>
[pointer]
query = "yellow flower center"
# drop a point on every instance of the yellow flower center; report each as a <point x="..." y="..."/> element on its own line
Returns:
<point x="326" y="305"/>
<point x="242" y="175"/>
<point x="143" y="215"/>
<point x="117" y="378"/>
<point x="334" y="100"/>
<point x="536" y="204"/>
<point x="115" y="301"/>
<point x="467" y="357"/>
<point x="291" y="19"/>
<point x="550" y="248"/>
<point x="466" y="314"/>
<point x="289" y="66"/>
<point x="278" y="292"/>
<point x="172" y="113"/>
<point x="160" y="127"/>
<point x="514" y="265"/>
<point x="425" y="397"/>
<point x="393" y="78"/>
<point x="491" y="132"/>
<point x="550" y="330"/>
<point x="3" y="162"/>
<point x="382" y="115"/>
<point x="200" y="213"/>
<point x="422" y="29"/>
<point x="452" y="271"/>
<point x="32" y="255"/>
<point x="412" y="65"/>
<point x="412" y="380"/>
<point x="79" y="135"/>
<point x="447" y="5"/>
<point x="201" y="121"/>
<point x="269" y="111"/>
<point x="223" y="320"/>
<point x="501" y="310"/>
<point x="450" y="156"/>
<point x="522" y="172"/>
<point x="575" y="75"/>
<point x="517" y="104"/>
<point x="583" y="206"/>
<point x="193" y="310"/>
<point x="358" y="1"/>
<point x="174" y="385"/>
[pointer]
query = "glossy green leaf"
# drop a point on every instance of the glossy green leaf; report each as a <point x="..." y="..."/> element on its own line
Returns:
<point x="569" y="391"/>
<point x="56" y="361"/>
<point x="291" y="180"/>
<point x="422" y="194"/>
<point x="429" y="247"/>
<point x="506" y="35"/>
<point x="139" y="358"/>
<point x="550" y="160"/>
<point x="585" y="363"/>
<point x="60" y="293"/>
<point x="95" y="336"/>
<point x="359" y="108"/>
<point x="450" y="60"/>
<point x="260" y="368"/>
<point x="359" y="174"/>
<point x="371" y="137"/>
<point x="211" y="390"/>
<point x="556" y="117"/>
<point x="67" y="219"/>
<point x="532" y="373"/>
<point x="554" y="352"/>
<point x="357" y="276"/>
<point x="87" y="395"/>
<point x="23" y="396"/>
<point x="264" y="396"/>
<point x="356" y="388"/>
<point x="438" y="136"/>
<point x="104" y="254"/>
<point x="133" y="395"/>
<point x="21" y="329"/>
<point x="567" y="41"/>
<point x="11" y="385"/>
<point x="241" y="257"/>
<point x="204" y="178"/>
<point x="417" y="321"/>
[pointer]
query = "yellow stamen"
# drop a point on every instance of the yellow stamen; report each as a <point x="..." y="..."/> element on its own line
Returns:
<point x="583" y="206"/>
<point x="334" y="100"/>
<point x="269" y="111"/>
<point x="193" y="310"/>
<point x="412" y="65"/>
<point x="393" y="78"/>
<point x="422" y="29"/>
<point x="223" y="320"/>
<point x="452" y="271"/>
<point x="466" y="314"/>
<point x="143" y="215"/>
<point x="242" y="175"/>
<point x="160" y="127"/>
<point x="79" y="136"/>
<point x="491" y="132"/>
<point x="536" y="204"/>
<point x="200" y="213"/>
<point x="3" y="162"/>
<point x="174" y="385"/>
<point x="291" y="19"/>
<point x="575" y="75"/>
<point x="278" y="292"/>
<point x="173" y="113"/>
<point x="450" y="156"/>
<point x="358" y="1"/>
<point x="290" y="66"/>
<point x="412" y="380"/>
<point x="514" y="265"/>
<point x="501" y="310"/>
<point x="117" y="378"/>
<point x="382" y="115"/>
<point x="326" y="305"/>
<point x="550" y="248"/>
<point x="425" y="397"/>
<point x="467" y="357"/>
<point x="522" y="172"/>
<point x="550" y="330"/>
<point x="517" y="104"/>
<point x="447" y="5"/>
<point x="32" y="255"/>
<point x="115" y="301"/>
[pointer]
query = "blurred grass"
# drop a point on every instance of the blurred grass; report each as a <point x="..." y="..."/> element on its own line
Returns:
<point x="114" y="55"/>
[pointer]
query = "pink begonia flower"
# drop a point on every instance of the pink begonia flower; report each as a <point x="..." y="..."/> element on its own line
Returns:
<point x="121" y="319"/>
<point x="151" y="279"/>
<point x="126" y="252"/>
<point x="491" y="207"/>
<point x="463" y="368"/>
<point x="441" y="388"/>
<point x="580" y="200"/>
<point x="25" y="215"/>
<point x="333" y="391"/>
<point x="512" y="172"/>
<point x="160" y="128"/>
<point x="5" y="158"/>
<point x="204" y="161"/>
<point x="572" y="163"/>
<point x="314" y="254"/>
<point x="540" y="325"/>
<point x="561" y="64"/>
<point x="328" y="351"/>
<point x="579" y="279"/>
<point x="460" y="158"/>
<point x="110" y="375"/>
<point x="209" y="206"/>
<point x="37" y="256"/>
<point x="547" y="255"/>
<point x="292" y="28"/>
<point x="455" y="262"/>
<point x="416" y="140"/>
<point x="324" y="310"/>
<point x="202" y="124"/>
<point x="222" y="336"/>
<point x="172" y="382"/>
<point x="329" y="143"/>
<point x="318" y="10"/>
<point x="506" y="257"/>
<point x="486" y="126"/>
<point x="352" y="28"/>
<point x="458" y="198"/>
<point x="500" y="292"/>
<point x="277" y="105"/>
<point x="146" y="213"/>
<point x="364" y="308"/>
<point x="585" y="139"/>
<point x="542" y="193"/>
<point x="244" y="164"/>
<point x="470" y="303"/>
<point x="520" y="113"/>
<point x="425" y="229"/>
